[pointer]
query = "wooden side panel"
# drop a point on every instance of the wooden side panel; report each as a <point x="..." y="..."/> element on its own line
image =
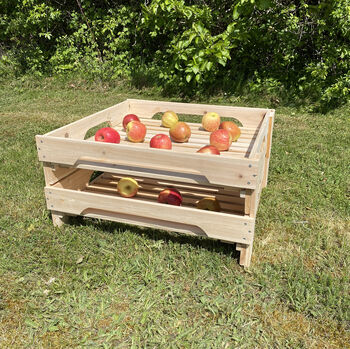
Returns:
<point x="77" y="180"/>
<point x="151" y="162"/>
<point x="250" y="117"/>
<point x="268" y="147"/>
<point x="260" y="137"/>
<point x="78" y="129"/>
<point x="213" y="224"/>
<point x="53" y="173"/>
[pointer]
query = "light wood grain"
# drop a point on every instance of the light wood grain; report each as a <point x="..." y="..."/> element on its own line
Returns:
<point x="250" y="117"/>
<point x="268" y="148"/>
<point x="78" y="129"/>
<point x="214" y="224"/>
<point x="216" y="169"/>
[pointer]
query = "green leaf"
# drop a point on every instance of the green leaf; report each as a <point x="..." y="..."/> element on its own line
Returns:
<point x="189" y="77"/>
<point x="264" y="4"/>
<point x="195" y="69"/>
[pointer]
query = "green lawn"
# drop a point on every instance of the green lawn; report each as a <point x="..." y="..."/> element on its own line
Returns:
<point x="100" y="284"/>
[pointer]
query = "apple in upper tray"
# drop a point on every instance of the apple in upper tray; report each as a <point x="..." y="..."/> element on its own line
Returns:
<point x="128" y="118"/>
<point x="211" y="121"/>
<point x="160" y="141"/>
<point x="127" y="187"/>
<point x="209" y="149"/>
<point x="210" y="204"/>
<point x="169" y="119"/>
<point x="136" y="131"/>
<point x="108" y="135"/>
<point x="221" y="139"/>
<point x="170" y="196"/>
<point x="180" y="132"/>
<point x="231" y="127"/>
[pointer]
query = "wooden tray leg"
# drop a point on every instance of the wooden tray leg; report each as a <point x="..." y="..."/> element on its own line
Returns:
<point x="245" y="254"/>
<point x="59" y="218"/>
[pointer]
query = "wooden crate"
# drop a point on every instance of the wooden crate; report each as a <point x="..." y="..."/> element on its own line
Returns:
<point x="235" y="178"/>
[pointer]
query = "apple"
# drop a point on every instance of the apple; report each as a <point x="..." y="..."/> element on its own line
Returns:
<point x="170" y="196"/>
<point x="210" y="204"/>
<point x="221" y="139"/>
<point x="209" y="149"/>
<point x="169" y="119"/>
<point x="127" y="187"/>
<point x="231" y="127"/>
<point x="136" y="131"/>
<point x="108" y="135"/>
<point x="180" y="132"/>
<point x="128" y="118"/>
<point x="160" y="141"/>
<point x="211" y="121"/>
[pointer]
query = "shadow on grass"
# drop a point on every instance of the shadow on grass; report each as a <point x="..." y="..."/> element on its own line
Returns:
<point x="211" y="245"/>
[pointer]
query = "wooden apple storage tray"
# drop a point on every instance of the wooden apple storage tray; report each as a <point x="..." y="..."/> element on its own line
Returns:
<point x="235" y="177"/>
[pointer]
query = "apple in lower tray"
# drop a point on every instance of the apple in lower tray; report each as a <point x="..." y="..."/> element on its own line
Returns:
<point x="210" y="204"/>
<point x="169" y="119"/>
<point x="221" y="139"/>
<point x="180" y="132"/>
<point x="128" y="118"/>
<point x="108" y="135"/>
<point x="231" y="127"/>
<point x="211" y="121"/>
<point x="209" y="149"/>
<point x="127" y="187"/>
<point x="170" y="196"/>
<point x="136" y="131"/>
<point x="160" y="141"/>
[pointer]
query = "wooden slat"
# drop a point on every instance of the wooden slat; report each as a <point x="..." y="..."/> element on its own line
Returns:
<point x="268" y="148"/>
<point x="216" y="225"/>
<point x="113" y="181"/>
<point x="247" y="116"/>
<point x="84" y="154"/>
<point x="78" y="129"/>
<point x="151" y="195"/>
<point x="150" y="189"/>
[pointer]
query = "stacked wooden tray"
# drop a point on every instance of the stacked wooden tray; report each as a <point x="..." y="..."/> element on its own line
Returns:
<point x="235" y="178"/>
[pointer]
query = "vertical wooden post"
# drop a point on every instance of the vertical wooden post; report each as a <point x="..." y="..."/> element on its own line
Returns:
<point x="59" y="218"/>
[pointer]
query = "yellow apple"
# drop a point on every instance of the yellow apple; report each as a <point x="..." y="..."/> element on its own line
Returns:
<point x="210" y="204"/>
<point x="127" y="187"/>
<point x="169" y="119"/>
<point x="211" y="121"/>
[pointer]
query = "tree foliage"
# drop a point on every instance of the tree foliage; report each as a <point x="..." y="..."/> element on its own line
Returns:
<point x="300" y="47"/>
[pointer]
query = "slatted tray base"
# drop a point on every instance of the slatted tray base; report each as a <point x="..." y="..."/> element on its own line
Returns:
<point x="230" y="200"/>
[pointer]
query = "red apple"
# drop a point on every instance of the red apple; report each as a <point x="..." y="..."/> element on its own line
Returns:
<point x="211" y="121"/>
<point x="136" y="131"/>
<point x="160" y="141"/>
<point x="169" y="119"/>
<point x="128" y="118"/>
<point x="108" y="135"/>
<point x="180" y="132"/>
<point x="221" y="139"/>
<point x="231" y="127"/>
<point x="209" y="149"/>
<point x="170" y="196"/>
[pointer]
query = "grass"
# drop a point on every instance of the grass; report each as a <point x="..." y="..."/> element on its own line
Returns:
<point x="106" y="285"/>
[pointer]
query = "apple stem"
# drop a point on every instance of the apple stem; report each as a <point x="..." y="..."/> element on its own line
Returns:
<point x="109" y="123"/>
